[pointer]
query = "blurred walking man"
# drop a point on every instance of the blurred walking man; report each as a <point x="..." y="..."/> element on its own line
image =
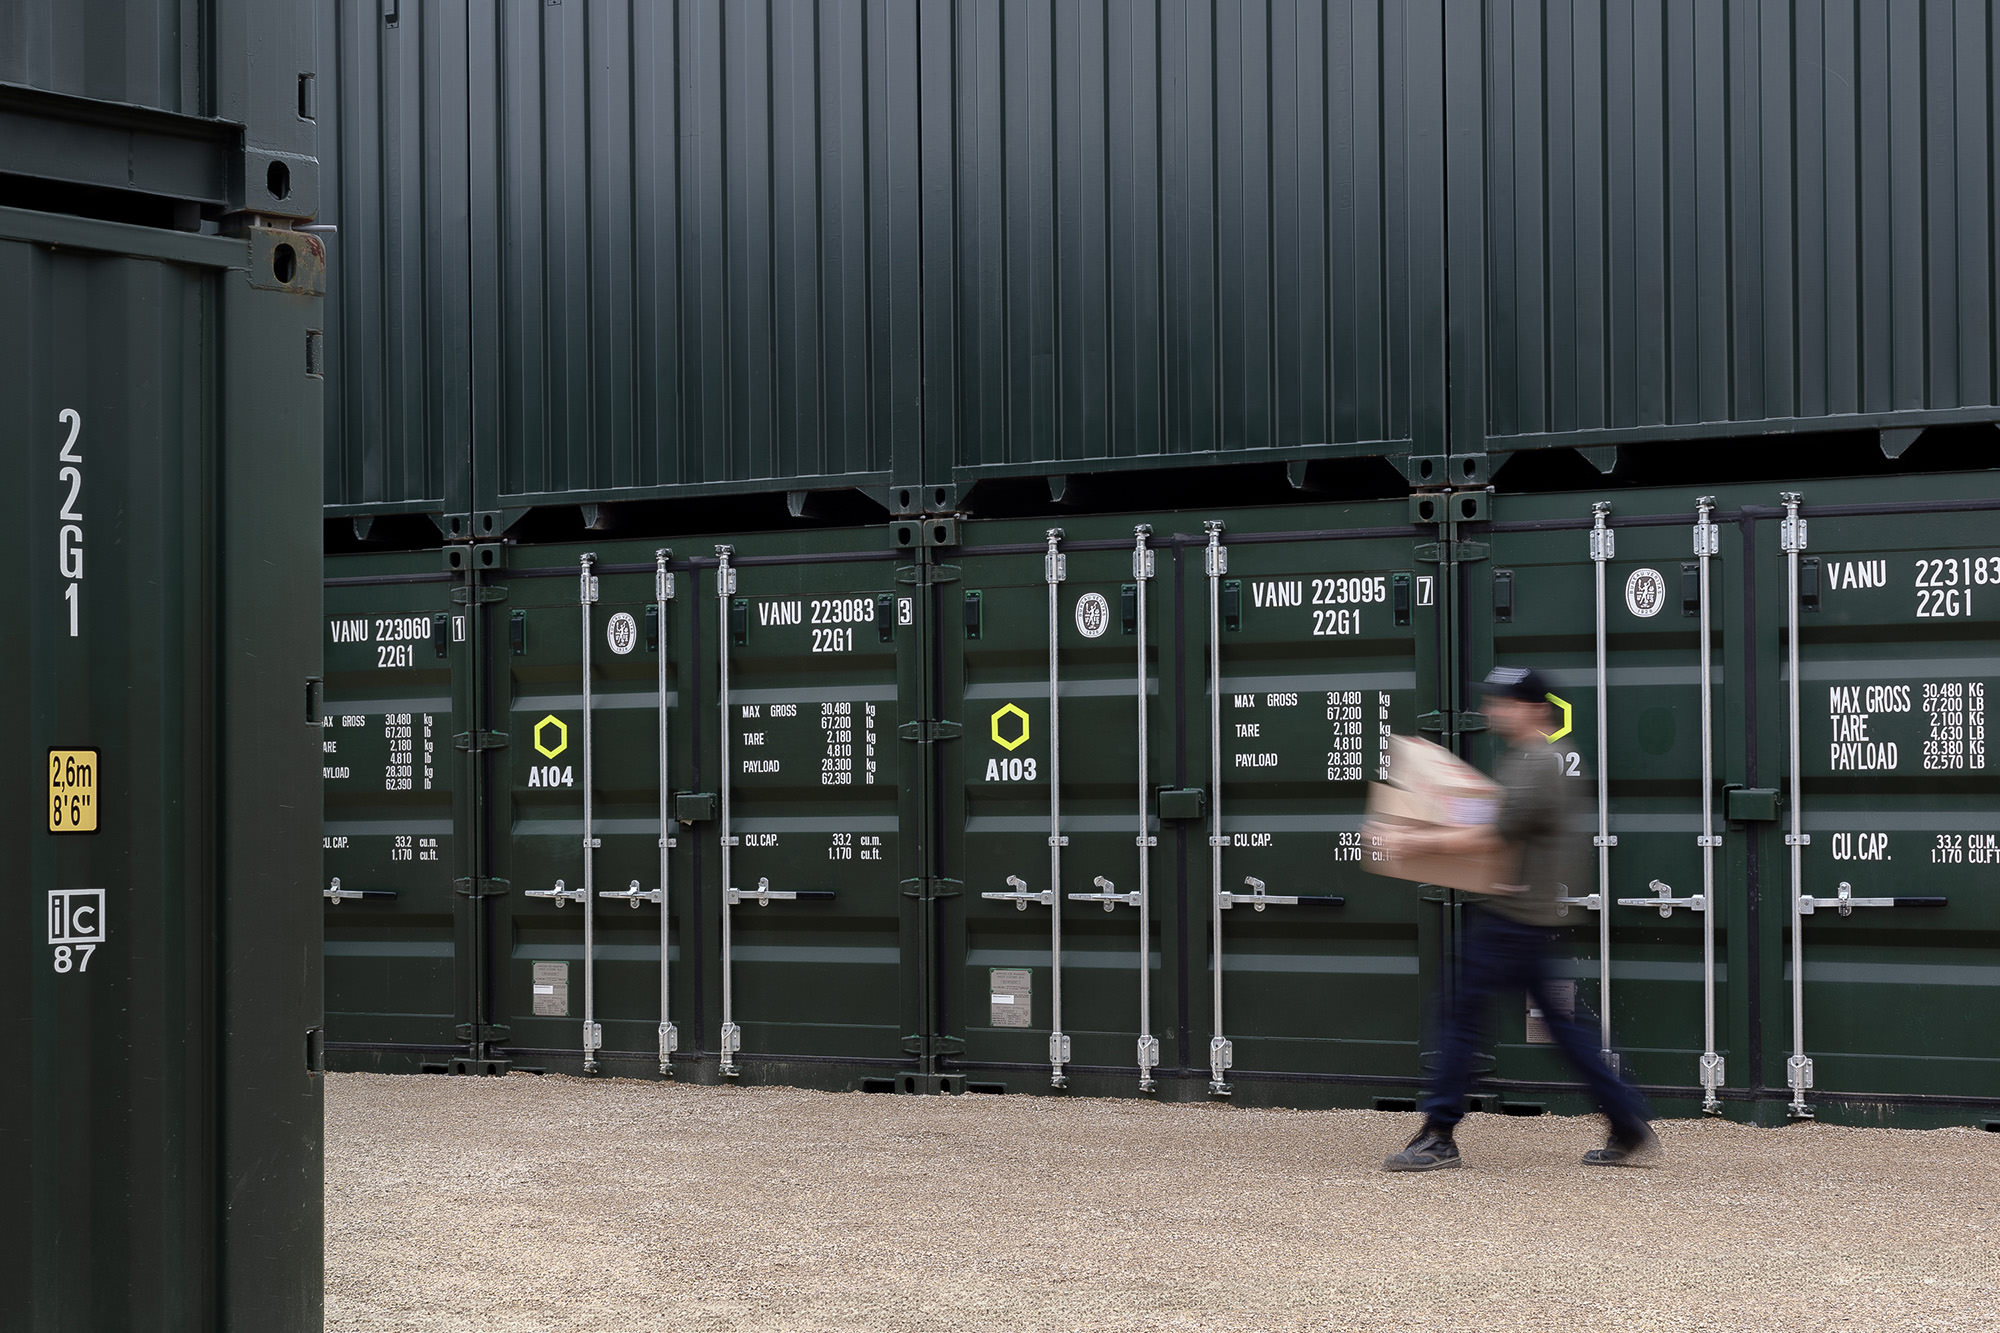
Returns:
<point x="1508" y="941"/>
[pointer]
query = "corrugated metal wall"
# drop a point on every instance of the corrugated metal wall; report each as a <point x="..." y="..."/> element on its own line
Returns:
<point x="240" y="60"/>
<point x="145" y="52"/>
<point x="1185" y="229"/>
<point x="769" y="246"/>
<point x="694" y="248"/>
<point x="399" y="329"/>
<point x="1672" y="218"/>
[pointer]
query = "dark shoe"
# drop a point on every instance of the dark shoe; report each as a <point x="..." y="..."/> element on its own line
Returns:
<point x="1644" y="1150"/>
<point x="1428" y="1151"/>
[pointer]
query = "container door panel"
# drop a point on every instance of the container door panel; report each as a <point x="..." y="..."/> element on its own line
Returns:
<point x="1327" y="636"/>
<point x="394" y="653"/>
<point x="1534" y="603"/>
<point x="1899" y="623"/>
<point x="556" y="754"/>
<point x="1024" y="618"/>
<point x="817" y="801"/>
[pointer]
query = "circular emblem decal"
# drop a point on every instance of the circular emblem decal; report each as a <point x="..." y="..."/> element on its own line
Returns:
<point x="622" y="633"/>
<point x="1093" y="615"/>
<point x="1645" y="593"/>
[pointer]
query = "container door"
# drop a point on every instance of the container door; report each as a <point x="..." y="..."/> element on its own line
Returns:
<point x="394" y="647"/>
<point x="1898" y="616"/>
<point x="587" y="674"/>
<point x="1062" y="869"/>
<point x="1556" y="571"/>
<point x="1325" y="640"/>
<point x="806" y="690"/>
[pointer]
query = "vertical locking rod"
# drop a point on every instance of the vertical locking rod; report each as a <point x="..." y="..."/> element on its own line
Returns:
<point x="1149" y="1045"/>
<point x="1221" y="1053"/>
<point x="1053" y="570"/>
<point x="1798" y="1070"/>
<point x="725" y="584"/>
<point x="586" y="597"/>
<point x="1603" y="546"/>
<point x="663" y="593"/>
<point x="1707" y="543"/>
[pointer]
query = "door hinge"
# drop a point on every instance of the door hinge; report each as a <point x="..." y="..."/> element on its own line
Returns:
<point x="1436" y="553"/>
<point x="480" y="887"/>
<point x="485" y="593"/>
<point x="483" y="1031"/>
<point x="1447" y="720"/>
<point x="480" y="740"/>
<point x="923" y="732"/>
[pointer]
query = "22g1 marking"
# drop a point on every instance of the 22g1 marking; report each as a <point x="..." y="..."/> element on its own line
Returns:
<point x="1944" y="584"/>
<point x="69" y="532"/>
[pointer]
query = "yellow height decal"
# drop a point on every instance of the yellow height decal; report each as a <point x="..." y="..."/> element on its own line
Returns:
<point x="73" y="791"/>
<point x="1005" y="718"/>
<point x="1553" y="736"/>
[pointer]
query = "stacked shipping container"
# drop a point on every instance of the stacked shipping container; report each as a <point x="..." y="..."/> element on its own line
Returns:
<point x="159" y="361"/>
<point x="910" y="249"/>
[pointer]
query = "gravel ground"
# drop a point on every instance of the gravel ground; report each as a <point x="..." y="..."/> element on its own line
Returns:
<point x="548" y="1203"/>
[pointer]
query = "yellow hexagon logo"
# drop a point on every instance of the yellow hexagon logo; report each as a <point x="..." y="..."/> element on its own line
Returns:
<point x="551" y="726"/>
<point x="1553" y="736"/>
<point x="1006" y="711"/>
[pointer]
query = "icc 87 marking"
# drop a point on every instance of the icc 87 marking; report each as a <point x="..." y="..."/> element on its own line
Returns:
<point x="76" y="927"/>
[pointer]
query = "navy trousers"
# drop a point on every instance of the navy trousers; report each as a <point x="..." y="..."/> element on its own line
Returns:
<point x="1502" y="957"/>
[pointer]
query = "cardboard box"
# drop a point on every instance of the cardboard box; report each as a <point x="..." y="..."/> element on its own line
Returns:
<point x="1443" y="789"/>
<point x="1431" y="787"/>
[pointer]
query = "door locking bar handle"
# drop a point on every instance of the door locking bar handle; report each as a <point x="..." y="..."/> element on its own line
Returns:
<point x="559" y="894"/>
<point x="1666" y="901"/>
<point x="764" y="895"/>
<point x="1589" y="902"/>
<point x="1020" y="895"/>
<point x="336" y="895"/>
<point x="1109" y="896"/>
<point x="635" y="895"/>
<point x="1259" y="899"/>
<point x="1844" y="901"/>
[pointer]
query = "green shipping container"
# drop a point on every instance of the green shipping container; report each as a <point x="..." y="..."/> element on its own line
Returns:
<point x="1870" y="997"/>
<point x="397" y="778"/>
<point x="981" y="753"/>
<point x="1277" y="951"/>
<point x="162" y="111"/>
<point x="162" y="955"/>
